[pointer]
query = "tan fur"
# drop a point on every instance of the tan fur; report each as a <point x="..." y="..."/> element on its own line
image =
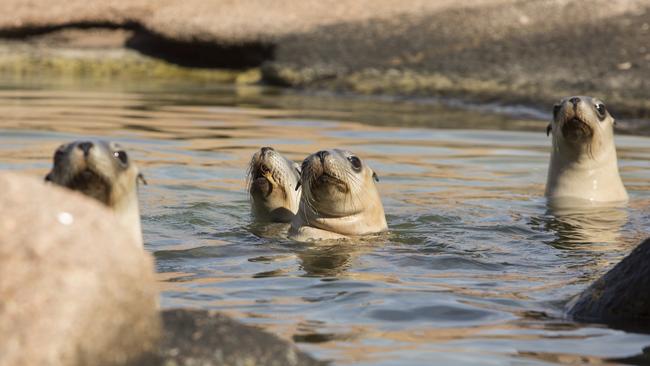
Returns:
<point x="337" y="202"/>
<point x="273" y="185"/>
<point x="583" y="168"/>
<point x="119" y="187"/>
<point x="73" y="289"/>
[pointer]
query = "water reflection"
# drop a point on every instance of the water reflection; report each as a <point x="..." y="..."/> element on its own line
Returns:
<point x="592" y="227"/>
<point x="456" y="280"/>
<point x="327" y="259"/>
<point x="269" y="230"/>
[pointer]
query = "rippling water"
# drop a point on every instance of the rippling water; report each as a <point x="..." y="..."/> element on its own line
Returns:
<point x="474" y="269"/>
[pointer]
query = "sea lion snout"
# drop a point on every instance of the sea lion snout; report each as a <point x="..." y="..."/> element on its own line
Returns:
<point x="322" y="155"/>
<point x="262" y="185"/>
<point x="265" y="150"/>
<point x="573" y="117"/>
<point x="85" y="146"/>
<point x="323" y="170"/>
<point x="575" y="129"/>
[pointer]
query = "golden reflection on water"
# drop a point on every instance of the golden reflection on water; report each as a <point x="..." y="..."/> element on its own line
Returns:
<point x="462" y="207"/>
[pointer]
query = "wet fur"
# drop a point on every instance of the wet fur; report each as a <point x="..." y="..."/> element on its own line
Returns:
<point x="337" y="202"/>
<point x="583" y="165"/>
<point x="273" y="186"/>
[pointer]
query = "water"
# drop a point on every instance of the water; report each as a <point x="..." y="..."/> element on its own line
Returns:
<point x="474" y="269"/>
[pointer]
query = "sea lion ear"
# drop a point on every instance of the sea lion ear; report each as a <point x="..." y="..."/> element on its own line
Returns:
<point x="48" y="177"/>
<point x="375" y="177"/>
<point x="549" y="128"/>
<point x="141" y="179"/>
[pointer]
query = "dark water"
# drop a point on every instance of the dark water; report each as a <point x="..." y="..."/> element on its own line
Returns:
<point x="473" y="271"/>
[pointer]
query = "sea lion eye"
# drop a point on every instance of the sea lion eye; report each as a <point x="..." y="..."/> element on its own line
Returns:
<point x="600" y="108"/>
<point x="556" y="110"/>
<point x="121" y="156"/>
<point x="355" y="162"/>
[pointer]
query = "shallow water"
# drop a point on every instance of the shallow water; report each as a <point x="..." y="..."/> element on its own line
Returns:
<point x="473" y="271"/>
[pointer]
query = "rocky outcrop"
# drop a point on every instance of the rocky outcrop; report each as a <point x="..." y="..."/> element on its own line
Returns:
<point x="74" y="288"/>
<point x="221" y="21"/>
<point x="621" y="297"/>
<point x="531" y="52"/>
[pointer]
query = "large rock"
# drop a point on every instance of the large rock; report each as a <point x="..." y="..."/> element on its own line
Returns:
<point x="222" y="21"/>
<point x="74" y="288"/>
<point x="513" y="51"/>
<point x="621" y="297"/>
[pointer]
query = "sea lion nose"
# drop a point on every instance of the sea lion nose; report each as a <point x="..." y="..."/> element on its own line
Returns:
<point x="574" y="100"/>
<point x="266" y="149"/>
<point x="322" y="154"/>
<point x="85" y="147"/>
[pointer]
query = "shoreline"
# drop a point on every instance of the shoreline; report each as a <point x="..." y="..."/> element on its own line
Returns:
<point x="493" y="52"/>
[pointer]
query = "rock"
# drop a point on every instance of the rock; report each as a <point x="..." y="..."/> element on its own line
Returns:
<point x="206" y="338"/>
<point x="221" y="21"/>
<point x="74" y="289"/>
<point x="621" y="297"/>
<point x="509" y="50"/>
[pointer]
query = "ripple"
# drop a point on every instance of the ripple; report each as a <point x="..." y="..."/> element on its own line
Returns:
<point x="475" y="269"/>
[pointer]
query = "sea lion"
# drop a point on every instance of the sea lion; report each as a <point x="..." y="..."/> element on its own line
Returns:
<point x="101" y="170"/>
<point x="339" y="198"/>
<point x="273" y="185"/>
<point x="74" y="289"/>
<point x="583" y="167"/>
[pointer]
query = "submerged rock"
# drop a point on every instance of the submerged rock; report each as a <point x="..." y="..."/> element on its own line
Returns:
<point x="621" y="297"/>
<point x="74" y="288"/>
<point x="198" y="337"/>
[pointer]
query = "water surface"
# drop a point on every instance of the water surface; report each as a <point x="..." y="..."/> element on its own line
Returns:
<point x="475" y="270"/>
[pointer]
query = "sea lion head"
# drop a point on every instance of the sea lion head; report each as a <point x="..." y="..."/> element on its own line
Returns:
<point x="581" y="124"/>
<point x="273" y="184"/>
<point x="337" y="183"/>
<point x="99" y="169"/>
